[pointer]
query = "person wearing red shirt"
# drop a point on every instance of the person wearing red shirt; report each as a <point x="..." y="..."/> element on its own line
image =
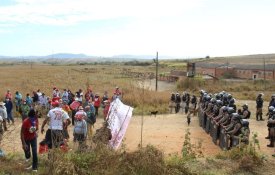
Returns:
<point x="8" y="95"/>
<point x="29" y="139"/>
<point x="96" y="104"/>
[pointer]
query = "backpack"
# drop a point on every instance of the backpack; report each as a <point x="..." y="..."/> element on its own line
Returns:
<point x="249" y="113"/>
<point x="1" y="127"/>
<point x="91" y="119"/>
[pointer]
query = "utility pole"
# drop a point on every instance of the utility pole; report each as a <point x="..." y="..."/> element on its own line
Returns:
<point x="157" y="65"/>
<point x="264" y="75"/>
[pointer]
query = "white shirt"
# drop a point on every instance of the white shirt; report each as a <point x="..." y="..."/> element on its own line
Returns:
<point x="1" y="119"/>
<point x="57" y="116"/>
<point x="43" y="100"/>
<point x="39" y="94"/>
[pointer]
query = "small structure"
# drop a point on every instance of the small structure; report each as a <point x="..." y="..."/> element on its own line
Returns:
<point x="254" y="72"/>
<point x="173" y="76"/>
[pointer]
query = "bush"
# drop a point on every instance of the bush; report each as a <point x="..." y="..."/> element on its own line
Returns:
<point x="246" y="156"/>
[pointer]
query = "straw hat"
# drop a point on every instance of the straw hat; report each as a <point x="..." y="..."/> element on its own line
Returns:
<point x="2" y="103"/>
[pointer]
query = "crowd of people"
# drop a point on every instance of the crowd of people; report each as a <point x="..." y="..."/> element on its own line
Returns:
<point x="219" y="116"/>
<point x="60" y="109"/>
<point x="186" y="103"/>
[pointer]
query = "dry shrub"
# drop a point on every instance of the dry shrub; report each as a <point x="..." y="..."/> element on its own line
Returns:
<point x="246" y="157"/>
<point x="144" y="100"/>
<point x="148" y="160"/>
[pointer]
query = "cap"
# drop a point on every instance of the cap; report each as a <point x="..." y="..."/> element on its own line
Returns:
<point x="2" y="103"/>
<point x="55" y="103"/>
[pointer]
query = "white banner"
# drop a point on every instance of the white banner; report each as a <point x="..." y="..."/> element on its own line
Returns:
<point x="119" y="117"/>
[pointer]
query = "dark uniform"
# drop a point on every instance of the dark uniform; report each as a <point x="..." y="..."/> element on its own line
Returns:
<point x="271" y="129"/>
<point x="259" y="106"/>
<point x="245" y="113"/>
<point x="178" y="100"/>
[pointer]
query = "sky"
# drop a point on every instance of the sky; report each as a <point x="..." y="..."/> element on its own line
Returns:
<point x="176" y="28"/>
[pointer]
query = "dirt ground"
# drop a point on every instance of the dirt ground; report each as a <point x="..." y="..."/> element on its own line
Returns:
<point x="166" y="132"/>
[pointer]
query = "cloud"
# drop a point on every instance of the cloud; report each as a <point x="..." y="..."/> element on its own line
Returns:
<point x="69" y="12"/>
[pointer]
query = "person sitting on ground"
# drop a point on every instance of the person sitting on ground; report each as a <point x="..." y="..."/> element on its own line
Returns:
<point x="29" y="139"/>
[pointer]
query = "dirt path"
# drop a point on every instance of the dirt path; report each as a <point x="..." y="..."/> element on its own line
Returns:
<point x="166" y="132"/>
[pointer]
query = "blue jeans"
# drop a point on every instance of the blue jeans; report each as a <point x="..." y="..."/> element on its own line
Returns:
<point x="10" y="118"/>
<point x="32" y="143"/>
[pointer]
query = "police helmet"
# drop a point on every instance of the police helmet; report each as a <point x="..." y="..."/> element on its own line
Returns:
<point x="232" y="101"/>
<point x="236" y="116"/>
<point x="230" y="110"/>
<point x="271" y="108"/>
<point x="245" y="106"/>
<point x="213" y="100"/>
<point x="218" y="96"/>
<point x="229" y="96"/>
<point x="219" y="102"/>
<point x="245" y="123"/>
<point x="224" y="108"/>
<point x="207" y="98"/>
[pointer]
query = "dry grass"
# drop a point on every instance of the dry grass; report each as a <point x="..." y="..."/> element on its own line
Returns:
<point x="27" y="78"/>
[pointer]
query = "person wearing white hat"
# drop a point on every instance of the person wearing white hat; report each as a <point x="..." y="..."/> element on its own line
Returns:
<point x="3" y="113"/>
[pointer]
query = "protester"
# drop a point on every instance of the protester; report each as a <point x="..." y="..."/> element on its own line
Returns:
<point x="8" y="95"/>
<point x="96" y="104"/>
<point x="24" y="110"/>
<point x="29" y="139"/>
<point x="65" y="96"/>
<point x="106" y="109"/>
<point x="18" y="100"/>
<point x="38" y="93"/>
<point x="29" y="100"/>
<point x="1" y="129"/>
<point x="90" y="119"/>
<point x="80" y="127"/>
<point x="55" y="118"/>
<point x="9" y="107"/>
<point x="4" y="115"/>
<point x="35" y="97"/>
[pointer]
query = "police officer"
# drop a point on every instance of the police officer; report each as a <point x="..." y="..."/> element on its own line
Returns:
<point x="259" y="107"/>
<point x="178" y="100"/>
<point x="245" y="112"/>
<point x="271" y="129"/>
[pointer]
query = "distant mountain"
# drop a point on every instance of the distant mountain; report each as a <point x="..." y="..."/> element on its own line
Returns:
<point x="140" y="56"/>
<point x="67" y="55"/>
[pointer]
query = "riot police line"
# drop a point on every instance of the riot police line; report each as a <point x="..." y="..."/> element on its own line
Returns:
<point x="218" y="117"/>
